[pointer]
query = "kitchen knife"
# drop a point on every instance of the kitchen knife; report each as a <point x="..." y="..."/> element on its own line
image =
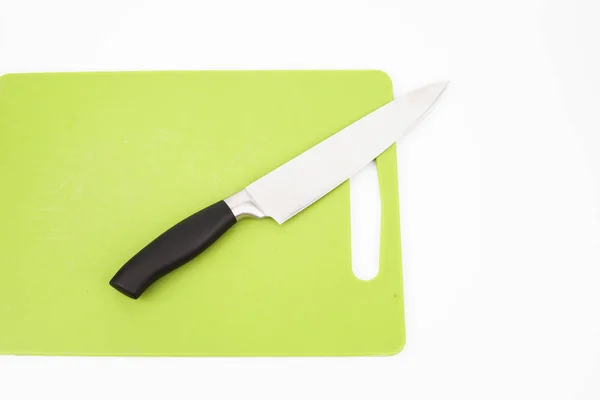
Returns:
<point x="283" y="192"/>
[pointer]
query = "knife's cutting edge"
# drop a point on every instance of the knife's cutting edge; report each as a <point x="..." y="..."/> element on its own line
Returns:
<point x="297" y="184"/>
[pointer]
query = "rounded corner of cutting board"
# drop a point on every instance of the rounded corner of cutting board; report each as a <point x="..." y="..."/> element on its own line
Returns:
<point x="387" y="79"/>
<point x="397" y="348"/>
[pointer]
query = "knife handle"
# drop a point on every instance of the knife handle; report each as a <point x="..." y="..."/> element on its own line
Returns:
<point x="173" y="248"/>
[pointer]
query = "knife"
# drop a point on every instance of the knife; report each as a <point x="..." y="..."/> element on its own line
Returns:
<point x="283" y="192"/>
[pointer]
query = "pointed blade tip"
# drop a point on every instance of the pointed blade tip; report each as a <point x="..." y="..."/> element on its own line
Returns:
<point x="426" y="95"/>
<point x="436" y="87"/>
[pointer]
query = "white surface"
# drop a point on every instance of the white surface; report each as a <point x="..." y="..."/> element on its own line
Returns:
<point x="499" y="187"/>
<point x="365" y="221"/>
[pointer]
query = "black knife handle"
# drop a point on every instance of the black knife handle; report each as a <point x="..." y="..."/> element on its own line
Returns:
<point x="173" y="248"/>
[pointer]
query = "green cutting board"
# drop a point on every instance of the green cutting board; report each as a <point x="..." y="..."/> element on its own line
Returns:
<point x="93" y="166"/>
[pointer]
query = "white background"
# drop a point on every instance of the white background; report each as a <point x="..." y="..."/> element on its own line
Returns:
<point x="499" y="186"/>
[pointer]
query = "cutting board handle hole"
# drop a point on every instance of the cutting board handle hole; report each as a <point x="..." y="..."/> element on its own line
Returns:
<point x="365" y="219"/>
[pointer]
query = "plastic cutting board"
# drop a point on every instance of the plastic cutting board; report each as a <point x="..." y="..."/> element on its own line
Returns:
<point x="95" y="165"/>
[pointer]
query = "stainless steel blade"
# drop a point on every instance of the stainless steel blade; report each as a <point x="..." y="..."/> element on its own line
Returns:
<point x="295" y="185"/>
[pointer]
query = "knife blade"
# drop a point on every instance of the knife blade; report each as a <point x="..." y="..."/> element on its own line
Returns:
<point x="283" y="192"/>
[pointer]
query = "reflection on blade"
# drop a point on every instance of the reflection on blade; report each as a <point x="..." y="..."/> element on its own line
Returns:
<point x="298" y="183"/>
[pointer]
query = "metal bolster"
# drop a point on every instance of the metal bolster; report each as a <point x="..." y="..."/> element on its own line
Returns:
<point x="242" y="205"/>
